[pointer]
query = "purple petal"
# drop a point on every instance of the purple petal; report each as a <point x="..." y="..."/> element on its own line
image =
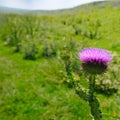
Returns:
<point x="96" y="55"/>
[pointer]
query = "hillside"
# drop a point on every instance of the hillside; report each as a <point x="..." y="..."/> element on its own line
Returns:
<point x="97" y="5"/>
<point x="39" y="54"/>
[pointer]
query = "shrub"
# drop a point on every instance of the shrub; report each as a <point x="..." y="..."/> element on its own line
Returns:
<point x="49" y="49"/>
<point x="30" y="52"/>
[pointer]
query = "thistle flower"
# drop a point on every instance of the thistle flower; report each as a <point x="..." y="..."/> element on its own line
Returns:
<point x="95" y="60"/>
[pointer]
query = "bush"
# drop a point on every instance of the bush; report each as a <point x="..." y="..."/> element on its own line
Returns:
<point x="12" y="31"/>
<point x="49" y="49"/>
<point x="30" y="52"/>
<point x="106" y="87"/>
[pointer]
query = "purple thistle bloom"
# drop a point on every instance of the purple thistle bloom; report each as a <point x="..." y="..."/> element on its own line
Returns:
<point x="95" y="60"/>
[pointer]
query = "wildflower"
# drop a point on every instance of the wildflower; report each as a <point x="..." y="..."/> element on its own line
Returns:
<point x="95" y="60"/>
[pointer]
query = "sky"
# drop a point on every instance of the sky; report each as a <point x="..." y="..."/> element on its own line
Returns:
<point x="43" y="4"/>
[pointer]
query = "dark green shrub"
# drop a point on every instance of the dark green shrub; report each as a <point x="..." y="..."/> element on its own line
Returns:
<point x="49" y="49"/>
<point x="93" y="30"/>
<point x="78" y="30"/>
<point x="12" y="32"/>
<point x="106" y="87"/>
<point x="30" y="52"/>
<point x="17" y="47"/>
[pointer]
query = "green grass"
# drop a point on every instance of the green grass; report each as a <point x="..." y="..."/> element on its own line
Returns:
<point x="29" y="91"/>
<point x="38" y="89"/>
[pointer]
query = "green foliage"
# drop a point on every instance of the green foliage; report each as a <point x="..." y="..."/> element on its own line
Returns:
<point x="12" y="31"/>
<point x="49" y="49"/>
<point x="88" y="29"/>
<point x="30" y="52"/>
<point x="40" y="89"/>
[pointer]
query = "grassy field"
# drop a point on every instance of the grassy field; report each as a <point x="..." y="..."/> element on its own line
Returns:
<point x="33" y="81"/>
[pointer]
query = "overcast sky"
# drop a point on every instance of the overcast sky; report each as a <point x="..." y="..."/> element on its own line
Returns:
<point x="43" y="4"/>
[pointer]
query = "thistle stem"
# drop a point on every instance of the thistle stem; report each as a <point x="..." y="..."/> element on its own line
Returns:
<point x="93" y="102"/>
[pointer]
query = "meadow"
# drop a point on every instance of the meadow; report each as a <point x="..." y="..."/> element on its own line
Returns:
<point x="33" y="49"/>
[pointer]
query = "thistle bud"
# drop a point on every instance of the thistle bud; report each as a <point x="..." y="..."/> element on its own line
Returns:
<point x="95" y="60"/>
